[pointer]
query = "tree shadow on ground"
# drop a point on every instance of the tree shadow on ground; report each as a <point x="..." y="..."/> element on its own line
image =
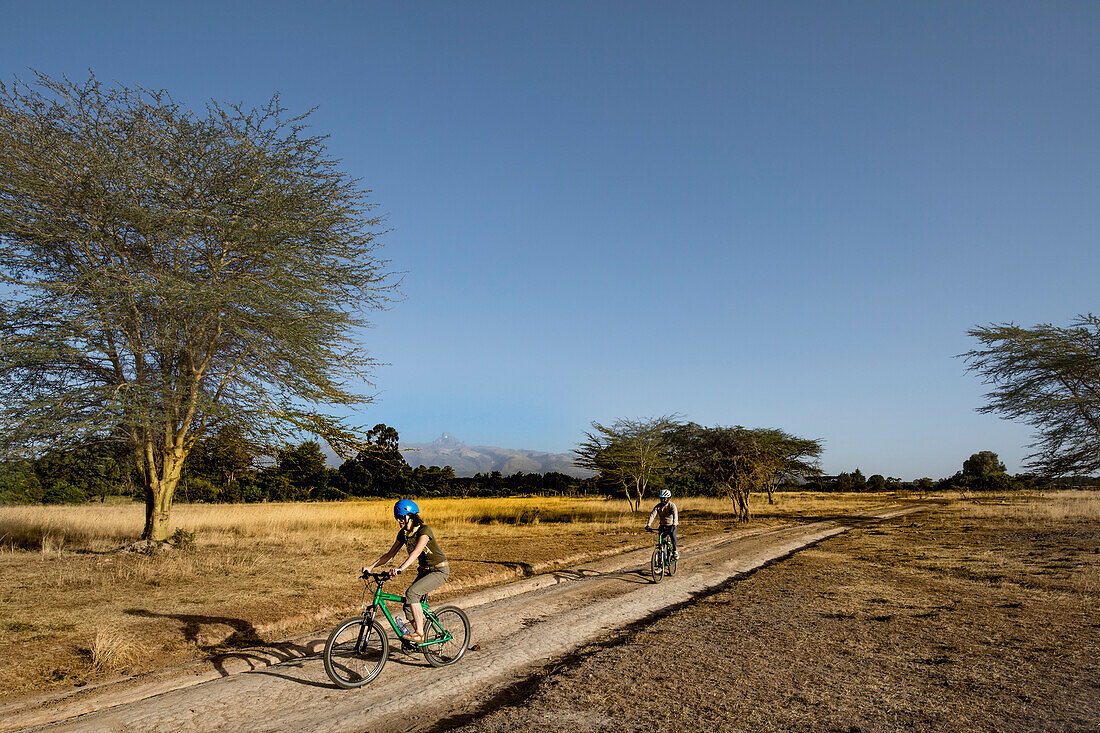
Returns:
<point x="244" y="644"/>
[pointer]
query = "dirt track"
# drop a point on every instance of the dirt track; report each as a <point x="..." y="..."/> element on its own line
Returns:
<point x="514" y="627"/>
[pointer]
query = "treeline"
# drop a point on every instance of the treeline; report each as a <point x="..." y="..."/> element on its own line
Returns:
<point x="223" y="469"/>
<point x="983" y="471"/>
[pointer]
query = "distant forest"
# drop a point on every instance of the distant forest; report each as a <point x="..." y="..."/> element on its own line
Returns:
<point x="221" y="469"/>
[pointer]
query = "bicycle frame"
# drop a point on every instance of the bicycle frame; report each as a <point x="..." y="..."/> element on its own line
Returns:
<point x="380" y="600"/>
<point x="664" y="545"/>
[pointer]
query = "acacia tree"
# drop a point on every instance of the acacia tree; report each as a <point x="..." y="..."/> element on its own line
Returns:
<point x="1048" y="376"/>
<point x="633" y="454"/>
<point x="785" y="457"/>
<point x="739" y="460"/>
<point x="166" y="274"/>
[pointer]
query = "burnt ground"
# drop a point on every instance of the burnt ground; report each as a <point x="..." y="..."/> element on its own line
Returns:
<point x="961" y="619"/>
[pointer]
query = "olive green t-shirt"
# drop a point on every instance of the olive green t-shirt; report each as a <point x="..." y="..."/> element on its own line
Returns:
<point x="432" y="555"/>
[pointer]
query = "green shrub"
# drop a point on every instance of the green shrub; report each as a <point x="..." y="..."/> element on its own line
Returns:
<point x="181" y="539"/>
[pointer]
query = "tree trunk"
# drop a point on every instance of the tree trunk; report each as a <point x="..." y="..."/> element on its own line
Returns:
<point x="740" y="502"/>
<point x="160" y="487"/>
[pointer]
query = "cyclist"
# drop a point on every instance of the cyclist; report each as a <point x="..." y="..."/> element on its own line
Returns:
<point x="432" y="569"/>
<point x="667" y="517"/>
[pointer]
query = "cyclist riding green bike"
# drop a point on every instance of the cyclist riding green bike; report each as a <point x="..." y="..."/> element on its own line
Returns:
<point x="667" y="518"/>
<point x="432" y="569"/>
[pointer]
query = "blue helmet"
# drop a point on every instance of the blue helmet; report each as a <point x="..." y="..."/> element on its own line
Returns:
<point x="665" y="494"/>
<point x="404" y="507"/>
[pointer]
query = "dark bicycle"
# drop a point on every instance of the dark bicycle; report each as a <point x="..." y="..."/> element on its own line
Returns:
<point x="357" y="649"/>
<point x="663" y="561"/>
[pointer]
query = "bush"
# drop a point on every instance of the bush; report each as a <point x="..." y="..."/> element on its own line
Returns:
<point x="181" y="539"/>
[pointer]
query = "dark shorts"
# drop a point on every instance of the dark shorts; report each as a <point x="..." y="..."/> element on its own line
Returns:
<point x="426" y="581"/>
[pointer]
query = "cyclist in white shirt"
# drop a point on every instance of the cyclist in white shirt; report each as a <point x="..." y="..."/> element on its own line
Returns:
<point x="667" y="518"/>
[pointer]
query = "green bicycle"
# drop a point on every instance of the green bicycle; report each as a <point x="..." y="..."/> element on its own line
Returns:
<point x="663" y="561"/>
<point x="357" y="649"/>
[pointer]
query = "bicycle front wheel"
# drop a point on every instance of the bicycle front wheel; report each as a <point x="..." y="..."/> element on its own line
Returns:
<point x="456" y="623"/>
<point x="355" y="652"/>
<point x="657" y="565"/>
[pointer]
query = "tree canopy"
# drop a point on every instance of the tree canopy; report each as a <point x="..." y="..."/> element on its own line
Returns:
<point x="167" y="274"/>
<point x="1048" y="376"/>
<point x="631" y="453"/>
<point x="740" y="460"/>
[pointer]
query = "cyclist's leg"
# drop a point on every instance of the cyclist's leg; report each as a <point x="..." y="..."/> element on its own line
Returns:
<point x="424" y="584"/>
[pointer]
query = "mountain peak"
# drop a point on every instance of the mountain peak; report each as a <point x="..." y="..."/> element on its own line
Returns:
<point x="446" y="441"/>
<point x="446" y="450"/>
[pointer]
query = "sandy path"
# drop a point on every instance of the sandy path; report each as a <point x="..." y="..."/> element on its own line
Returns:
<point x="515" y="627"/>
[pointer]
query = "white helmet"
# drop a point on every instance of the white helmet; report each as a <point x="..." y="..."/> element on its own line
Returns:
<point x="665" y="494"/>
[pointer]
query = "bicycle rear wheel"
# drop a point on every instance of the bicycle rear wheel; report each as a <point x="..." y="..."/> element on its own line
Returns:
<point x="671" y="563"/>
<point x="355" y="652"/>
<point x="657" y="565"/>
<point x="456" y="623"/>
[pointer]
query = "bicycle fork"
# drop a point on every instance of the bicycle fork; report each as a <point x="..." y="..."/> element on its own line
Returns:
<point x="365" y="630"/>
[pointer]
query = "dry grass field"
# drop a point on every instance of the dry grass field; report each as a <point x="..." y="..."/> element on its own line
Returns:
<point x="980" y="615"/>
<point x="73" y="609"/>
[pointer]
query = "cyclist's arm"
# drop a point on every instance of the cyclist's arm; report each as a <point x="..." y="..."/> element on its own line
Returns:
<point x="675" y="516"/>
<point x="420" y="545"/>
<point x="384" y="559"/>
<point x="652" y="516"/>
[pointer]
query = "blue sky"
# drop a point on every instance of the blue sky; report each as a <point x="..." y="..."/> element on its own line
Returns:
<point x="768" y="214"/>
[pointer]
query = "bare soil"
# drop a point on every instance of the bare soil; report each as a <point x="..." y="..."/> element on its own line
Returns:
<point x="961" y="619"/>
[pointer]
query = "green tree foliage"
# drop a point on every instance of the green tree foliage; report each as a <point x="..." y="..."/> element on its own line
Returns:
<point x="634" y="455"/>
<point x="379" y="469"/>
<point x="786" y="458"/>
<point x="19" y="482"/>
<point x="214" y="465"/>
<point x="304" y="467"/>
<point x="983" y="465"/>
<point x="739" y="460"/>
<point x="167" y="274"/>
<point x="1048" y="376"/>
<point x="983" y="471"/>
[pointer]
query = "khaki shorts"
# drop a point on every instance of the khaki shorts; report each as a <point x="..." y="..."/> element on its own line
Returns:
<point x="426" y="581"/>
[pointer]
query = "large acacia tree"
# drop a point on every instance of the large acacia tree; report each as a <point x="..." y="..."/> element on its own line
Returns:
<point x="1048" y="376"/>
<point x="739" y="460"/>
<point x="166" y="274"/>
<point x="631" y="453"/>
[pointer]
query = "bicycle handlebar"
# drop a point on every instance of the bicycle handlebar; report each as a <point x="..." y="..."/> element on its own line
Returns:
<point x="375" y="576"/>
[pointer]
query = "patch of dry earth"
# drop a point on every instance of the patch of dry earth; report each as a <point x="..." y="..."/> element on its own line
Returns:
<point x="941" y="621"/>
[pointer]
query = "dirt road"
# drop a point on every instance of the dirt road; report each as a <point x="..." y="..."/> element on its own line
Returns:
<point x="516" y="628"/>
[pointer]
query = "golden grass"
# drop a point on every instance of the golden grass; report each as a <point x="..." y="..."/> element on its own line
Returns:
<point x="101" y="527"/>
<point x="1035" y="507"/>
<point x="112" y="650"/>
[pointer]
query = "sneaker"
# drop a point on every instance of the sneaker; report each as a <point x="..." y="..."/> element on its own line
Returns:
<point x="676" y="555"/>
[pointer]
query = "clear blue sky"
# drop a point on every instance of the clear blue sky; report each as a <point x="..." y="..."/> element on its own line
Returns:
<point x="768" y="214"/>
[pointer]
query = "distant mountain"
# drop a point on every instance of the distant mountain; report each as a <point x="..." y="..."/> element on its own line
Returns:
<point x="467" y="460"/>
